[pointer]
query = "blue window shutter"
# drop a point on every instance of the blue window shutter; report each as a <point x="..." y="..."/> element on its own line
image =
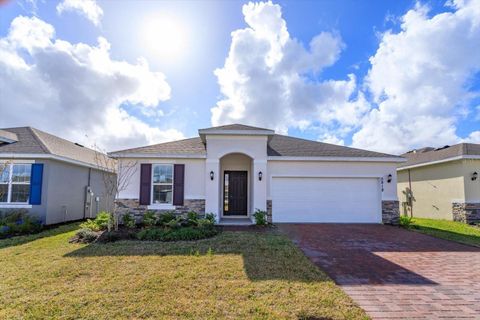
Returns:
<point x="36" y="179"/>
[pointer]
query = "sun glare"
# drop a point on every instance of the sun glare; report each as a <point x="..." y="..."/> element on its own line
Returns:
<point x="164" y="36"/>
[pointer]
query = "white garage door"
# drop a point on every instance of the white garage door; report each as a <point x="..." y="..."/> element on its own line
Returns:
<point x="326" y="200"/>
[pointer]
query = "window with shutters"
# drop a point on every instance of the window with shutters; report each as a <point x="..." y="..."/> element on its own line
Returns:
<point x="162" y="184"/>
<point x="15" y="183"/>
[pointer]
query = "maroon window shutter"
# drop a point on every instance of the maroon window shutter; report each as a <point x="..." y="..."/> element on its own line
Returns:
<point x="178" y="183"/>
<point x="145" y="183"/>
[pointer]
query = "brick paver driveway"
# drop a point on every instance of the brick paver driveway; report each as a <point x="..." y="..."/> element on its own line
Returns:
<point x="394" y="273"/>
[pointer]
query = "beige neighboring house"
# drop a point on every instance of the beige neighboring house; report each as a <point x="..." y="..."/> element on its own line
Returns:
<point x="441" y="183"/>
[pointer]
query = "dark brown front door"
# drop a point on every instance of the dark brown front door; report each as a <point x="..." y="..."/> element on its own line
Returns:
<point x="235" y="193"/>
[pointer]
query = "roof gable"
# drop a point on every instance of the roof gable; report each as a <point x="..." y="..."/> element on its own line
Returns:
<point x="234" y="127"/>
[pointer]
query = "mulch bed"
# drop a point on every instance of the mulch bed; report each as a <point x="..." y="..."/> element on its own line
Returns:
<point x="105" y="236"/>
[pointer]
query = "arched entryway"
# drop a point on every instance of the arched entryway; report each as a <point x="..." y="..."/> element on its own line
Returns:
<point x="235" y="185"/>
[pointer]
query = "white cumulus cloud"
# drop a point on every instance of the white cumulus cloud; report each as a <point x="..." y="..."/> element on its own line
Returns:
<point x="416" y="93"/>
<point x="420" y="78"/>
<point x="88" y="8"/>
<point x="76" y="90"/>
<point x="270" y="79"/>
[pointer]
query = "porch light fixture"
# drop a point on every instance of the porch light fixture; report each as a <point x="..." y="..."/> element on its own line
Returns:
<point x="260" y="175"/>
<point x="211" y="175"/>
<point x="474" y="176"/>
<point x="389" y="178"/>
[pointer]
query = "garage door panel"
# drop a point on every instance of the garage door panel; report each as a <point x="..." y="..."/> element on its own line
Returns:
<point x="326" y="200"/>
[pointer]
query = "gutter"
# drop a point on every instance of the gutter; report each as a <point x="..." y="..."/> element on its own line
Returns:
<point x="156" y="155"/>
<point x="349" y="159"/>
<point x="12" y="156"/>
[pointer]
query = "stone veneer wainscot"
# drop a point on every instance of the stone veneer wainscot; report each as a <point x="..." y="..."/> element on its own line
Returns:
<point x="134" y="207"/>
<point x="269" y="211"/>
<point x="466" y="212"/>
<point x="390" y="212"/>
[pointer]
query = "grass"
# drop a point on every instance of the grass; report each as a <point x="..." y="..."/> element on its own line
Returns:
<point x="449" y="230"/>
<point x="235" y="275"/>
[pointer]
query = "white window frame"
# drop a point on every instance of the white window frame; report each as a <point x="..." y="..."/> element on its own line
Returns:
<point x="161" y="205"/>
<point x="10" y="183"/>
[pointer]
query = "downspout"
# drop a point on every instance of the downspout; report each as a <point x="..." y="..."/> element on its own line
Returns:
<point x="410" y="197"/>
<point x="86" y="194"/>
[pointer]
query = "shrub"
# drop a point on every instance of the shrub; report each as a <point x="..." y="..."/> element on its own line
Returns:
<point x="29" y="224"/>
<point x="129" y="220"/>
<point x="260" y="217"/>
<point x="166" y="217"/>
<point x="192" y="218"/>
<point x="4" y="230"/>
<point x="86" y="235"/>
<point x="405" y="221"/>
<point x="149" y="218"/>
<point x="11" y="216"/>
<point x="18" y="222"/>
<point x="210" y="217"/>
<point x="103" y="219"/>
<point x="99" y="223"/>
<point x="90" y="225"/>
<point x="205" y="223"/>
<point x="182" y="234"/>
<point x="175" y="223"/>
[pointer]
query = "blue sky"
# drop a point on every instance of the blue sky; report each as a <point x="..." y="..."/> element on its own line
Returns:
<point x="315" y="108"/>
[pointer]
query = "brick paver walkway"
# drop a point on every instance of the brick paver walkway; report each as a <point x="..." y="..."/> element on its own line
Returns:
<point x="393" y="273"/>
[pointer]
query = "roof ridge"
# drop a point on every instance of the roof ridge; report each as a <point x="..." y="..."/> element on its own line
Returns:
<point x="75" y="144"/>
<point x="42" y="143"/>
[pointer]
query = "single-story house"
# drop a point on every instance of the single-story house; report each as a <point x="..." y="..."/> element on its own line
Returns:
<point x="441" y="183"/>
<point x="52" y="178"/>
<point x="233" y="170"/>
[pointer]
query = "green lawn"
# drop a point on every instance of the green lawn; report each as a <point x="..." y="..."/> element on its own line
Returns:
<point x="235" y="275"/>
<point x="449" y="230"/>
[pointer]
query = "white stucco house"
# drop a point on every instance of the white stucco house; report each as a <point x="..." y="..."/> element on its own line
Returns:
<point x="233" y="170"/>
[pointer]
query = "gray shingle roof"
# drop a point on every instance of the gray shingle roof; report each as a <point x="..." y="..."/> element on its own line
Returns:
<point x="429" y="154"/>
<point x="27" y="142"/>
<point x="295" y="147"/>
<point x="34" y="141"/>
<point x="192" y="146"/>
<point x="278" y="146"/>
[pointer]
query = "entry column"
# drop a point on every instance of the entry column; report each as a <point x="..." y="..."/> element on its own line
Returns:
<point x="212" y="187"/>
<point x="259" y="184"/>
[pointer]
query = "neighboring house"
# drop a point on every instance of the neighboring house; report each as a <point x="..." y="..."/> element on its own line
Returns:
<point x="235" y="169"/>
<point x="50" y="177"/>
<point x="441" y="183"/>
